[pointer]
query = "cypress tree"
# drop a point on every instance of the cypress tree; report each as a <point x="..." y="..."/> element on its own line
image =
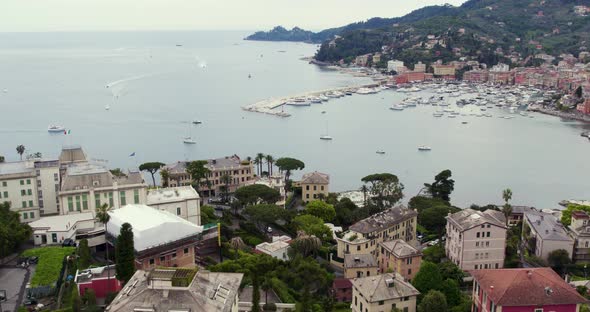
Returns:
<point x="124" y="250"/>
<point x="84" y="254"/>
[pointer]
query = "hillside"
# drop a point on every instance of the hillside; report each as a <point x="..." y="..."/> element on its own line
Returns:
<point x="488" y="30"/>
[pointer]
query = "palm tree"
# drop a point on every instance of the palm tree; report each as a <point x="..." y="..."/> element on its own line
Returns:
<point x="20" y="149"/>
<point x="507" y="209"/>
<point x="269" y="161"/>
<point x="236" y="243"/>
<point x="306" y="244"/>
<point x="257" y="163"/>
<point x="102" y="215"/>
<point x="260" y="158"/>
<point x="364" y="189"/>
<point x="165" y="175"/>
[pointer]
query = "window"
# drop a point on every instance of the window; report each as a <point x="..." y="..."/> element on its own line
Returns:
<point x="111" y="202"/>
<point x="136" y="196"/>
<point x="476" y="244"/>
<point x="22" y="182"/>
<point x="28" y="181"/>
<point x="307" y="187"/>
<point x="25" y="216"/>
<point x="78" y="204"/>
<point x="539" y="310"/>
<point x="315" y="187"/>
<point x="30" y="203"/>
<point x="322" y="187"/>
<point x="24" y="204"/>
<point x="358" y="247"/>
<point x="487" y="244"/>
<point x="97" y="200"/>
<point x="496" y="265"/>
<point x="29" y="192"/>
<point x="186" y="251"/>
<point x="152" y="261"/>
<point x="70" y="203"/>
<point x="85" y="201"/>
<point x="406" y="309"/>
<point x="409" y="261"/>
<point x="381" y="302"/>
<point x="173" y="255"/>
<point x="162" y="259"/>
<point x="55" y="177"/>
<point x="488" y="234"/>
<point x="482" y="226"/>
<point x="306" y="195"/>
<point x="5" y="194"/>
<point x="4" y="183"/>
<point x="23" y="192"/>
<point x="409" y="271"/>
<point x="178" y="211"/>
<point x="54" y="237"/>
<point x="476" y="255"/>
<point x="38" y="183"/>
<point x="122" y="198"/>
<point x="32" y="215"/>
<point x="477" y="235"/>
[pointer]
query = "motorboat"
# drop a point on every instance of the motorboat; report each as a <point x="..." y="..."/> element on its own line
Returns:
<point x="298" y="102"/>
<point x="326" y="137"/>
<point x="197" y="122"/>
<point x="55" y="128"/>
<point x="437" y="114"/>
<point x="464" y="122"/>
<point x="424" y="148"/>
<point x="380" y="152"/>
<point x="397" y="107"/>
<point x="189" y="140"/>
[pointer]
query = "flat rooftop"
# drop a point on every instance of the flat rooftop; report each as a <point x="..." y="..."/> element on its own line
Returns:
<point x="171" y="194"/>
<point x="62" y="222"/>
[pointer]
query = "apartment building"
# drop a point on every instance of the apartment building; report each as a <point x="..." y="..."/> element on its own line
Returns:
<point x="182" y="201"/>
<point x="360" y="265"/>
<point x="476" y="240"/>
<point x="383" y="293"/>
<point x="314" y="185"/>
<point x="399" y="257"/>
<point x="543" y="233"/>
<point x="240" y="171"/>
<point x="363" y="237"/>
<point x="579" y="230"/>
<point x="87" y="186"/>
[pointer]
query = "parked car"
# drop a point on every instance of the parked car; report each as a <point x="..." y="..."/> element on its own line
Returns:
<point x="68" y="242"/>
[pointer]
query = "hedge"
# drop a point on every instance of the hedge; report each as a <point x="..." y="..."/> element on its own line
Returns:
<point x="50" y="264"/>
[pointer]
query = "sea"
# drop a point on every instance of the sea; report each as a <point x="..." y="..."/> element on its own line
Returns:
<point x="156" y="83"/>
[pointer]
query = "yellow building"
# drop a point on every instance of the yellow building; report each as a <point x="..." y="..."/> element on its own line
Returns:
<point x="364" y="236"/>
<point x="444" y="70"/>
<point x="314" y="185"/>
<point x="383" y="293"/>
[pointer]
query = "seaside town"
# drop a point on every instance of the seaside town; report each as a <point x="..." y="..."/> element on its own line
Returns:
<point x="238" y="234"/>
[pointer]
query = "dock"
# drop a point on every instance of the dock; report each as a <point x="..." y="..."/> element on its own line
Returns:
<point x="269" y="106"/>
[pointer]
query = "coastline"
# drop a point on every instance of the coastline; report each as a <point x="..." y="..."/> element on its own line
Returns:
<point x="564" y="115"/>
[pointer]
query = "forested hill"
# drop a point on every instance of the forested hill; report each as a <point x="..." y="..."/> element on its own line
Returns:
<point x="477" y="28"/>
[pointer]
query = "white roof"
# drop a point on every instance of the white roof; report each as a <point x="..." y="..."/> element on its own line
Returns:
<point x="24" y="166"/>
<point x="171" y="195"/>
<point x="60" y="223"/>
<point x="269" y="248"/>
<point x="151" y="227"/>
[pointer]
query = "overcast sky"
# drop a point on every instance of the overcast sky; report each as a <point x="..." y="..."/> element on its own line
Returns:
<point x="76" y="15"/>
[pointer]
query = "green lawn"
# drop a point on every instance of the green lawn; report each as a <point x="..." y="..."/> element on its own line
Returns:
<point x="50" y="262"/>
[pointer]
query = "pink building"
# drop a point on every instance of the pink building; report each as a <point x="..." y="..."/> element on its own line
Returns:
<point x="102" y="280"/>
<point x="523" y="290"/>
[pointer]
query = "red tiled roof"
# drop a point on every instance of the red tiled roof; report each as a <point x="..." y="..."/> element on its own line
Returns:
<point x="580" y="215"/>
<point x="529" y="286"/>
<point x="340" y="283"/>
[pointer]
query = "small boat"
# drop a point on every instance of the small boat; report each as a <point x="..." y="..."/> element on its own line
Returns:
<point x="107" y="107"/>
<point x="55" y="128"/>
<point x="179" y="45"/>
<point x="397" y="107"/>
<point x="189" y="140"/>
<point x="380" y="152"/>
<point x="348" y="93"/>
<point x="464" y="122"/>
<point x="451" y="116"/>
<point x="323" y="112"/>
<point x="424" y="148"/>
<point x="197" y="122"/>
<point x="249" y="76"/>
<point x="437" y="114"/>
<point x="323" y="98"/>
<point x="326" y="137"/>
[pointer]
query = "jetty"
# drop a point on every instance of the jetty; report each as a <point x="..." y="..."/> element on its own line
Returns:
<point x="269" y="106"/>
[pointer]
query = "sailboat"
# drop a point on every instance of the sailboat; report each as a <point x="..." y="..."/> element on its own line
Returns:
<point x="189" y="139"/>
<point x="326" y="136"/>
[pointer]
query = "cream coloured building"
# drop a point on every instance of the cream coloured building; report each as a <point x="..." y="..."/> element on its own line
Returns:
<point x="182" y="201"/>
<point x="543" y="233"/>
<point x="87" y="186"/>
<point x="476" y="240"/>
<point x="363" y="237"/>
<point x="360" y="265"/>
<point x="383" y="293"/>
<point x="314" y="185"/>
<point x="399" y="256"/>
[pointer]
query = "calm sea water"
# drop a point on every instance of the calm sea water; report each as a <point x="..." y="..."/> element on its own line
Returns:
<point x="156" y="87"/>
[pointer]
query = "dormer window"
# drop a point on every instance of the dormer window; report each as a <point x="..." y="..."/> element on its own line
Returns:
<point x="95" y="183"/>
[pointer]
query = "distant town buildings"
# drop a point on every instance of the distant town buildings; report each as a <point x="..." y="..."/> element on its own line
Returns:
<point x="363" y="237"/>
<point x="240" y="172"/>
<point x="395" y="65"/>
<point x="383" y="293"/>
<point x="526" y="289"/>
<point x="314" y="185"/>
<point x="182" y="201"/>
<point x="399" y="257"/>
<point x="476" y="240"/>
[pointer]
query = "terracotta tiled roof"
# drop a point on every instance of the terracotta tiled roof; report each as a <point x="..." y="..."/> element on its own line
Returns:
<point x="387" y="286"/>
<point x="340" y="283"/>
<point x="315" y="178"/>
<point x="469" y="218"/>
<point x="400" y="248"/>
<point x="529" y="286"/>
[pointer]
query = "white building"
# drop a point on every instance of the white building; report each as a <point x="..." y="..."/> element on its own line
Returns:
<point x="54" y="230"/>
<point x="277" y="249"/>
<point x="395" y="65"/>
<point x="182" y="201"/>
<point x="544" y="233"/>
<point x="87" y="186"/>
<point x="30" y="186"/>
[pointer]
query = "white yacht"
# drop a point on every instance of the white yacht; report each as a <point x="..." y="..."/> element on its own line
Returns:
<point x="189" y="140"/>
<point x="326" y="137"/>
<point x="397" y="107"/>
<point x="298" y="102"/>
<point x="424" y="148"/>
<point x="197" y="122"/>
<point x="55" y="128"/>
<point x="380" y="152"/>
<point x="437" y="114"/>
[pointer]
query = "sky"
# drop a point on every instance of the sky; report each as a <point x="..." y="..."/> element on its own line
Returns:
<point x="107" y="15"/>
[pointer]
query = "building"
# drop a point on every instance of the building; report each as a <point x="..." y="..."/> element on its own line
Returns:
<point x="444" y="70"/>
<point x="399" y="257"/>
<point x="276" y="182"/>
<point x="517" y="214"/>
<point x="87" y="186"/>
<point x="383" y="293"/>
<point x="182" y="201"/>
<point x="53" y="230"/>
<point x="580" y="233"/>
<point x="101" y="280"/>
<point x="395" y="65"/>
<point x="30" y="186"/>
<point x="360" y="265"/>
<point x="314" y="185"/>
<point x="363" y="237"/>
<point x="160" y="238"/>
<point x="240" y="172"/>
<point x="476" y="76"/>
<point x="161" y="290"/>
<point x="476" y="240"/>
<point x="420" y="67"/>
<point x="526" y="289"/>
<point x="543" y="233"/>
<point x="279" y="248"/>
<point x="342" y="289"/>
